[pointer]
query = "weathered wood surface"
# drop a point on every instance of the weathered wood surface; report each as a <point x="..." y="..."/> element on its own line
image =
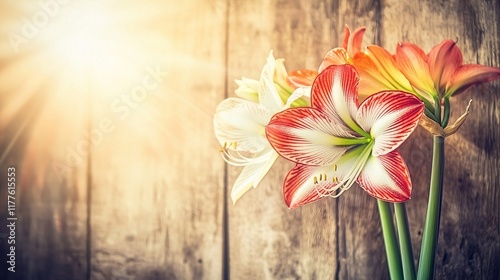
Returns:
<point x="153" y="201"/>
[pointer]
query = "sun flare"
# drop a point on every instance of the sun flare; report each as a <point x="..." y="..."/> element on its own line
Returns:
<point x="69" y="64"/>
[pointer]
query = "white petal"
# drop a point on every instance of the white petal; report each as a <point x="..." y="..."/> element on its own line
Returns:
<point x="242" y="122"/>
<point x="298" y="93"/>
<point x="268" y="95"/>
<point x="251" y="175"/>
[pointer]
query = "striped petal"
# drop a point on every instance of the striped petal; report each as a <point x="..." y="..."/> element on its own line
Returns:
<point x="242" y="122"/>
<point x="390" y="117"/>
<point x="386" y="178"/>
<point x="307" y="136"/>
<point x="471" y="74"/>
<point x="334" y="92"/>
<point x="300" y="187"/>
<point x="305" y="183"/>
<point x="412" y="61"/>
<point x="252" y="174"/>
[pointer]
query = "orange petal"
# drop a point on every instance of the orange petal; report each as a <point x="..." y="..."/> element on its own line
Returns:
<point x="337" y="56"/>
<point x="371" y="79"/>
<point x="444" y="60"/>
<point x="412" y="62"/>
<point x="471" y="74"/>
<point x="384" y="63"/>
<point x="355" y="41"/>
<point x="347" y="34"/>
<point x="302" y="78"/>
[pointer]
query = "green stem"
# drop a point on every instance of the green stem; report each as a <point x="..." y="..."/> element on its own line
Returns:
<point x="431" y="227"/>
<point x="446" y="116"/>
<point x="391" y="244"/>
<point x="437" y="111"/>
<point x="405" y="241"/>
<point x="430" y="115"/>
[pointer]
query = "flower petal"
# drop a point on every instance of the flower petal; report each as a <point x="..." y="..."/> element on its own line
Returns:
<point x="300" y="187"/>
<point x="302" y="78"/>
<point x="371" y="78"/>
<point x="444" y="60"/>
<point x="335" y="92"/>
<point x="242" y="122"/>
<point x="355" y="41"/>
<point x="251" y="175"/>
<point x="412" y="62"/>
<point x="386" y="178"/>
<point x="347" y="35"/>
<point x="268" y="95"/>
<point x="470" y="74"/>
<point x="390" y="117"/>
<point x="307" y="136"/>
<point x="337" y="56"/>
<point x="248" y="89"/>
<point x="306" y="183"/>
<point x="385" y="63"/>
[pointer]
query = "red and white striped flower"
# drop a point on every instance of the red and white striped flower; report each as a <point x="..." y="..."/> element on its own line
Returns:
<point x="338" y="141"/>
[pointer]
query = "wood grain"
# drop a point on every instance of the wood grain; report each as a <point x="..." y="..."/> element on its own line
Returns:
<point x="151" y="200"/>
<point x="157" y="179"/>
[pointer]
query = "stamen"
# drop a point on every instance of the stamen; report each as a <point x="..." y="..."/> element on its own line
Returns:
<point x="236" y="158"/>
<point x="340" y="186"/>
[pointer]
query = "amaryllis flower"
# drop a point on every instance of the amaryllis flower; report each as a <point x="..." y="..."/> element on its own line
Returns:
<point x="338" y="141"/>
<point x="239" y="126"/>
<point x="351" y="45"/>
<point x="439" y="74"/>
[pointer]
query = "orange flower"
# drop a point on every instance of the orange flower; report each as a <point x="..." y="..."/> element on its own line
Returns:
<point x="436" y="75"/>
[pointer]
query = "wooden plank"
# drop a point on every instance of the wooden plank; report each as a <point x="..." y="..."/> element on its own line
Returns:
<point x="157" y="177"/>
<point x="468" y="240"/>
<point x="39" y="137"/>
<point x="267" y="240"/>
<point x="51" y="204"/>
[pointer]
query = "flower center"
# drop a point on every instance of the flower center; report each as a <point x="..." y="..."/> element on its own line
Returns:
<point x="357" y="158"/>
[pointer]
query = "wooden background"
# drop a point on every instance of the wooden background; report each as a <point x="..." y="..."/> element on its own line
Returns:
<point x="151" y="201"/>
